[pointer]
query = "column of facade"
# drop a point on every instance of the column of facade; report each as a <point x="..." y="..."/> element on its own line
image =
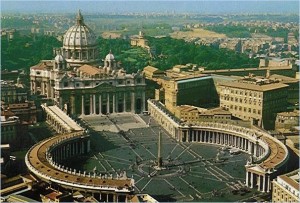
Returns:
<point x="72" y="104"/>
<point x="143" y="101"/>
<point x="107" y="106"/>
<point x="114" y="103"/>
<point x="117" y="102"/>
<point x="82" y="147"/>
<point x="91" y="104"/>
<point x="61" y="102"/>
<point x="43" y="87"/>
<point x="124" y="102"/>
<point x="100" y="105"/>
<point x="133" y="102"/>
<point x="205" y="136"/>
<point x="94" y="104"/>
<point x="82" y="105"/>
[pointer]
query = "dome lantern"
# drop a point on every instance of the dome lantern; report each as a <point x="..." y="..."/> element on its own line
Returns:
<point x="79" y="18"/>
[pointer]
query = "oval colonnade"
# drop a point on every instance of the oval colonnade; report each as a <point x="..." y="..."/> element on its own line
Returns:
<point x="268" y="155"/>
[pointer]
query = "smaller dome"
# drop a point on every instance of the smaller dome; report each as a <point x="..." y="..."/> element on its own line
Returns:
<point x="109" y="57"/>
<point x="59" y="58"/>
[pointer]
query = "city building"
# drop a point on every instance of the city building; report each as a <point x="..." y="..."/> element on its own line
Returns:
<point x="8" y="129"/>
<point x="287" y="120"/>
<point x="293" y="89"/>
<point x="139" y="40"/>
<point x="13" y="92"/>
<point x="152" y="72"/>
<point x="254" y="99"/>
<point x="25" y="111"/>
<point x="286" y="187"/>
<point x="52" y="195"/>
<point x="195" y="115"/>
<point x="178" y="92"/>
<point x="76" y="82"/>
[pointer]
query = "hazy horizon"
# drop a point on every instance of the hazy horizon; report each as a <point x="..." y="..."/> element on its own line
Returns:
<point x="205" y="7"/>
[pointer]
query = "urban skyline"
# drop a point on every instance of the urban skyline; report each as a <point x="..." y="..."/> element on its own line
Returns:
<point x="205" y="7"/>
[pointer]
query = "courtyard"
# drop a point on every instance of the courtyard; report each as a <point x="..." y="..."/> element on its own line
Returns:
<point x="126" y="145"/>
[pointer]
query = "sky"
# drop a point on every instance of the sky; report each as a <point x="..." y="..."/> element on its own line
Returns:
<point x="125" y="6"/>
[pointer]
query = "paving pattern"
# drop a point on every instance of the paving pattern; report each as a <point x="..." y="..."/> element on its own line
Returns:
<point x="193" y="173"/>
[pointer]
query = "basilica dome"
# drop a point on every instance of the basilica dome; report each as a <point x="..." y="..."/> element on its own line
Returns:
<point x="80" y="45"/>
<point x="79" y="35"/>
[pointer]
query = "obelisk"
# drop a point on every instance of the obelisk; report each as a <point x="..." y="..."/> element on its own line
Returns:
<point x="159" y="158"/>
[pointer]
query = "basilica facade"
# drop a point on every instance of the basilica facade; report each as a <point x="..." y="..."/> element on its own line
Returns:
<point x="80" y="85"/>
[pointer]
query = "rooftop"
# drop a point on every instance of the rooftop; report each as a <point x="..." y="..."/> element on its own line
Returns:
<point x="251" y="86"/>
<point x="89" y="70"/>
<point x="292" y="178"/>
<point x="42" y="65"/>
<point x="289" y="114"/>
